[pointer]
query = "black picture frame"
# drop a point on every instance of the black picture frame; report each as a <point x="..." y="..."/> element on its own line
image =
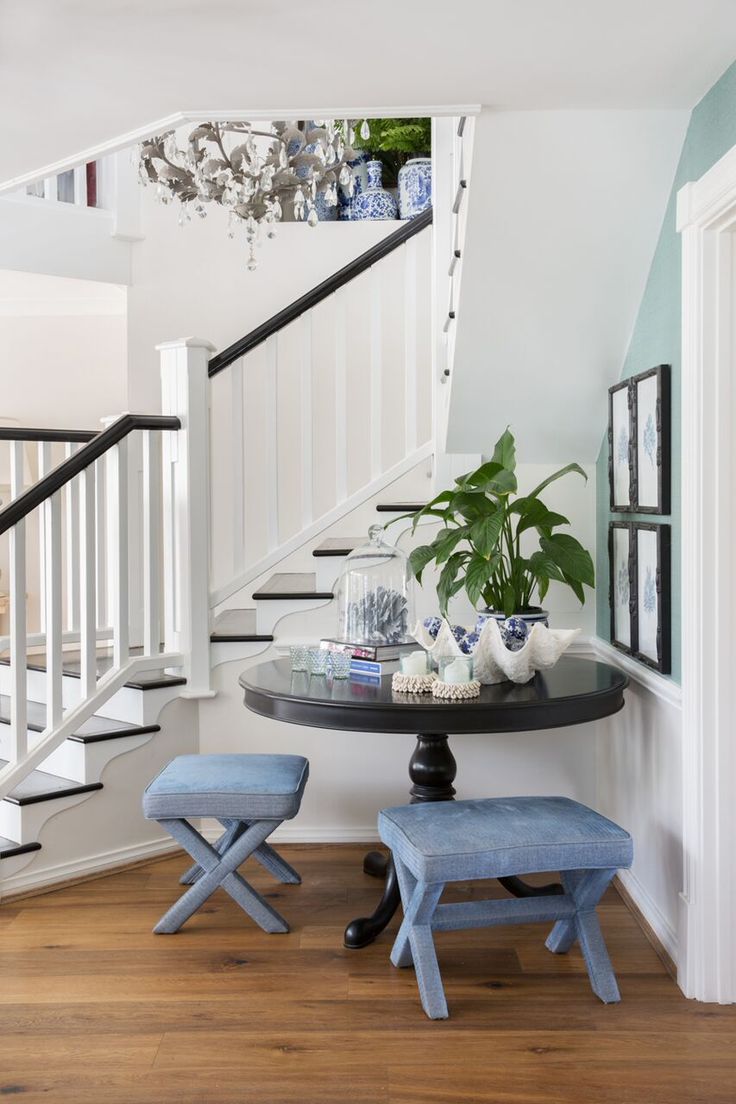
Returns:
<point x="660" y="657"/>
<point x="662" y="445"/>
<point x="617" y="638"/>
<point x="613" y="392"/>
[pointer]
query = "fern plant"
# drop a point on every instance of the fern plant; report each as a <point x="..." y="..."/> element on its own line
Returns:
<point x="394" y="141"/>
<point x="479" y="545"/>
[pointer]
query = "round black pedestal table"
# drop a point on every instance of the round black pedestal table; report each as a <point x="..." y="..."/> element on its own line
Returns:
<point x="573" y="692"/>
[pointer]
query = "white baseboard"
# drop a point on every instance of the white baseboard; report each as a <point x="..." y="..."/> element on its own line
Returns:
<point x="651" y="912"/>
<point x="295" y="833"/>
<point x="47" y="877"/>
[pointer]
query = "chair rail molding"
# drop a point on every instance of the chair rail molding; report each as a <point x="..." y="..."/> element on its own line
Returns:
<point x="706" y="219"/>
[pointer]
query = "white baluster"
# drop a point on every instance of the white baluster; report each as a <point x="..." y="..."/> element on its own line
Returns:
<point x="87" y="577"/>
<point x="410" y="345"/>
<point x="305" y="324"/>
<point x="341" y="406"/>
<point x="44" y="467"/>
<point x="272" y="442"/>
<point x="101" y="573"/>
<point x="237" y="466"/>
<point x="71" y="495"/>
<point x="118" y="551"/>
<point x="376" y="371"/>
<point x="18" y="629"/>
<point x="151" y="542"/>
<point x="53" y="588"/>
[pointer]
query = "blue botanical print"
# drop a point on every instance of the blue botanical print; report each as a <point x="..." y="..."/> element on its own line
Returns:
<point x="622" y="454"/>
<point x="622" y="585"/>
<point x="650" y="592"/>
<point x="649" y="439"/>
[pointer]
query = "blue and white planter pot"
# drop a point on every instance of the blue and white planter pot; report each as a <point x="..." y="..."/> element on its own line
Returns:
<point x="345" y="201"/>
<point x="375" y="202"/>
<point x="532" y="617"/>
<point x="415" y="187"/>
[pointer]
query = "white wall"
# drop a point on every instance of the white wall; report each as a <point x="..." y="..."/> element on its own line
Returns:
<point x="564" y="212"/>
<point x="193" y="280"/>
<point x="640" y="786"/>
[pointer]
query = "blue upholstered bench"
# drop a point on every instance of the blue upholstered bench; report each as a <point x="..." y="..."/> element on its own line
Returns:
<point x="454" y="841"/>
<point x="250" y="795"/>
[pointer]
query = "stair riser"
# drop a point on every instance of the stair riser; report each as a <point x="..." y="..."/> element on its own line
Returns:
<point x="271" y="611"/>
<point x="24" y="822"/>
<point x="127" y="704"/>
<point x="327" y="571"/>
<point x="229" y="651"/>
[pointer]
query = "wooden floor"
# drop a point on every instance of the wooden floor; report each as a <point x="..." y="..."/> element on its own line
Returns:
<point x="94" y="1008"/>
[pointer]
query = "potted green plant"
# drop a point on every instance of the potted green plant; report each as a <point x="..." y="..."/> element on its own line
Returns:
<point x="479" y="547"/>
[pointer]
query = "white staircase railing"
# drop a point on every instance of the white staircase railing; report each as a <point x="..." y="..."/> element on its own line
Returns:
<point x="80" y="556"/>
<point x="321" y="407"/>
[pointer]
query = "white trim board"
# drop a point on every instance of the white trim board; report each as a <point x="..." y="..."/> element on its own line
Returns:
<point x="657" y="684"/>
<point x="198" y="115"/>
<point x="706" y="219"/>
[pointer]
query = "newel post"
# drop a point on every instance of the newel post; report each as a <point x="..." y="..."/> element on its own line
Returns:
<point x="186" y="536"/>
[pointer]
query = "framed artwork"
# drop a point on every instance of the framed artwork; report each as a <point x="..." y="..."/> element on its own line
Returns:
<point x="619" y="447"/>
<point x="621" y="586"/>
<point x="650" y="437"/>
<point x="651" y="557"/>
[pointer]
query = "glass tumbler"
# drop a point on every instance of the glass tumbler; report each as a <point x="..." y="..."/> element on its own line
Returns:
<point x="299" y="655"/>
<point x="317" y="661"/>
<point x="340" y="665"/>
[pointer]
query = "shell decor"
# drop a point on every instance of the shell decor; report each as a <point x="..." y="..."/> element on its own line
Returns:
<point x="493" y="661"/>
<point x="413" y="684"/>
<point x="456" y="691"/>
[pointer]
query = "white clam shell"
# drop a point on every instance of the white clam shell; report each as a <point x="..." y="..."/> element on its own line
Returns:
<point x="493" y="662"/>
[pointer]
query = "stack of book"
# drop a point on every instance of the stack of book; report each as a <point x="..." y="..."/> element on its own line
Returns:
<point x="368" y="661"/>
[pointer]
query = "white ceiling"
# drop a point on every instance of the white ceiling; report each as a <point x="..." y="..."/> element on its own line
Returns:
<point x="79" y="72"/>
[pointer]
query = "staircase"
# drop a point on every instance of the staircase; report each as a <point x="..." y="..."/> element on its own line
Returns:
<point x="123" y="598"/>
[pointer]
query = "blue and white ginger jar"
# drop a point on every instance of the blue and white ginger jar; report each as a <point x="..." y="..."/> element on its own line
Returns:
<point x="415" y="187"/>
<point x="374" y="202"/>
<point x="345" y="201"/>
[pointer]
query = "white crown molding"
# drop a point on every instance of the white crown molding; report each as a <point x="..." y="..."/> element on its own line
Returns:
<point x="662" y="688"/>
<point x="198" y="115"/>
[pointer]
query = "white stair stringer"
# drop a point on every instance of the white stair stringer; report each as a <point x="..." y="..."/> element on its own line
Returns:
<point x="79" y="836"/>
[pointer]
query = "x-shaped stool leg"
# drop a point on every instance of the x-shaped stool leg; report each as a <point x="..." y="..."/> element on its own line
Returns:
<point x="269" y="859"/>
<point x="219" y="869"/>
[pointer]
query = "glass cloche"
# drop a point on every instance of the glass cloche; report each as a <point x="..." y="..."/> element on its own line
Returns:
<point x="375" y="594"/>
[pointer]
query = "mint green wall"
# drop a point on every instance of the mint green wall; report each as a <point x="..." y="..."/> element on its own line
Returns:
<point x="656" y="338"/>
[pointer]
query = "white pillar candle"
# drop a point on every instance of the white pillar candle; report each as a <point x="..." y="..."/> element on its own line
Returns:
<point x="415" y="663"/>
<point x="456" y="672"/>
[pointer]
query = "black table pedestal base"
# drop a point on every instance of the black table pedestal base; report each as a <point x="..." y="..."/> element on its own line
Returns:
<point x="432" y="770"/>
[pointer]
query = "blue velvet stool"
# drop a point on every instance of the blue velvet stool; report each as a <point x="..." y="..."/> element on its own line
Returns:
<point x="456" y="841"/>
<point x="250" y="795"/>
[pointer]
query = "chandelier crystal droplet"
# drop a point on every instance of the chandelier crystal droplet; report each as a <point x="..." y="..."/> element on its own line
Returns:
<point x="253" y="173"/>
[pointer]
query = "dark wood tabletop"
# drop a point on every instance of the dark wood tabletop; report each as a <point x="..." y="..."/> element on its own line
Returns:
<point x="574" y="691"/>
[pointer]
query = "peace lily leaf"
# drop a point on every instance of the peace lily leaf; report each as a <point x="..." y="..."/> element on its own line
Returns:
<point x="485" y="533"/>
<point x="558" y="475"/>
<point x="544" y="566"/>
<point x="482" y="475"/>
<point x="505" y="451"/>
<point x="446" y="541"/>
<point x="570" y="556"/>
<point x="419" y="559"/>
<point x="509" y="601"/>
<point x="537" y="516"/>
<point x="469" y="504"/>
<point x="447" y="578"/>
<point x="477" y="573"/>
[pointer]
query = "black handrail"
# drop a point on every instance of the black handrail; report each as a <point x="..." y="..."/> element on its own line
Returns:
<point x="321" y="291"/>
<point x="72" y="436"/>
<point x="20" y="507"/>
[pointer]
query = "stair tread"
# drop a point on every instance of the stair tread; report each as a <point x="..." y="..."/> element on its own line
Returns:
<point x="291" y="584"/>
<point x="400" y="507"/>
<point x="71" y="665"/>
<point x="338" y="546"/>
<point x="9" y="847"/>
<point x="91" y="731"/>
<point x="40" y="786"/>
<point x="236" y="625"/>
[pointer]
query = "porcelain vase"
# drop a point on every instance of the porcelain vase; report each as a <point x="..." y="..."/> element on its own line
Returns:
<point x="374" y="202"/>
<point x="415" y="187"/>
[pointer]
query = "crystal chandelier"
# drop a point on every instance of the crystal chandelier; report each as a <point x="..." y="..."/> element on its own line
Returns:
<point x="254" y="174"/>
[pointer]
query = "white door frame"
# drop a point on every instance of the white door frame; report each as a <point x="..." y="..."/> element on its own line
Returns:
<point x="706" y="218"/>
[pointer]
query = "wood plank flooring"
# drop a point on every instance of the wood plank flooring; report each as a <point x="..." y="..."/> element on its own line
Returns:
<point x="96" y="1009"/>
